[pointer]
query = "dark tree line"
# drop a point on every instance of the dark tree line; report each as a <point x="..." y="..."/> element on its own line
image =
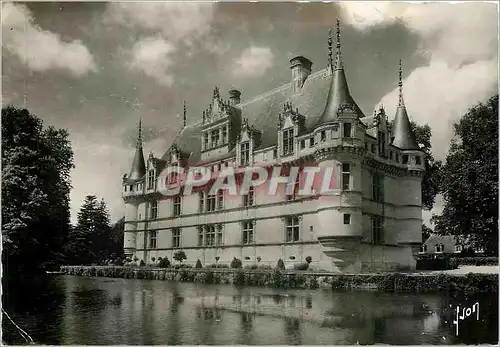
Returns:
<point x="469" y="179"/>
<point x="36" y="231"/>
<point x="36" y="166"/>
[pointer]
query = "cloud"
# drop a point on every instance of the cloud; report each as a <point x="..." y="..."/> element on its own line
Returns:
<point x="153" y="56"/>
<point x="39" y="49"/>
<point x="460" y="41"/>
<point x="167" y="27"/>
<point x="253" y="62"/>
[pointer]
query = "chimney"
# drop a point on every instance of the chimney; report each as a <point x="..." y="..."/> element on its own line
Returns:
<point x="234" y="96"/>
<point x="301" y="68"/>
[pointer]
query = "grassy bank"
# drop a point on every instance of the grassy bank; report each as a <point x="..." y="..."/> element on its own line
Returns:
<point x="392" y="282"/>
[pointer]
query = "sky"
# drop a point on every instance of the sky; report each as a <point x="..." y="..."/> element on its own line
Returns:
<point x="96" y="68"/>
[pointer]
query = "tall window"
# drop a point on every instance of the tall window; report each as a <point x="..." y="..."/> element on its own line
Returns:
<point x="405" y="159"/>
<point x="176" y="238"/>
<point x="302" y="144"/>
<point x="214" y="138"/>
<point x="220" y="199"/>
<point x="275" y="153"/>
<point x="423" y="248"/>
<point x="224" y="135"/>
<point x="292" y="229"/>
<point x="210" y="235"/>
<point x="219" y="240"/>
<point x="211" y="203"/>
<point x="347" y="129"/>
<point x="153" y="209"/>
<point x="202" y="201"/>
<point x="152" y="239"/>
<point x="418" y="160"/>
<point x="439" y="248"/>
<point x="288" y="141"/>
<point x="311" y="142"/>
<point x="151" y="179"/>
<point x="245" y="153"/>
<point x="248" y="199"/>
<point x="247" y="236"/>
<point x="177" y="205"/>
<point x="346" y="176"/>
<point x="378" y="187"/>
<point x="377" y="230"/>
<point x="200" y="236"/>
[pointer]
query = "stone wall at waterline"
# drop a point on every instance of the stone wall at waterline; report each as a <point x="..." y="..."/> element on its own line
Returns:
<point x="389" y="282"/>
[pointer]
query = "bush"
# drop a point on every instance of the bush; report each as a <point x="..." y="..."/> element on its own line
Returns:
<point x="198" y="264"/>
<point x="434" y="262"/>
<point x="183" y="266"/>
<point x="236" y="263"/>
<point x="218" y="266"/>
<point x="142" y="263"/>
<point x="164" y="263"/>
<point x="251" y="267"/>
<point x="474" y="261"/>
<point x="280" y="265"/>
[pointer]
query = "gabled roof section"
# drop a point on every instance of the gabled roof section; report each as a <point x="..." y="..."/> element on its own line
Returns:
<point x="138" y="169"/>
<point x="402" y="133"/>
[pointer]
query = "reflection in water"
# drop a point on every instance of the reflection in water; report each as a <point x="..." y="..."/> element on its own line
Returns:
<point x="128" y="312"/>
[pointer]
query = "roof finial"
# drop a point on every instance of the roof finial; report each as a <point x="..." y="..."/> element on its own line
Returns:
<point x="139" y="137"/>
<point x="330" y="52"/>
<point x="400" y="84"/>
<point x="185" y="119"/>
<point x="338" y="61"/>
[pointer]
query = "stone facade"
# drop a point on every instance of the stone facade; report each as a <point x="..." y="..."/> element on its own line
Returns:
<point x="374" y="222"/>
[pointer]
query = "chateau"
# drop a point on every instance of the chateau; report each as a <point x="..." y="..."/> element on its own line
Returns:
<point x="373" y="223"/>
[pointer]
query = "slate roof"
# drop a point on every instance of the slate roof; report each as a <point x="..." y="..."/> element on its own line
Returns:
<point x="404" y="138"/>
<point x="262" y="113"/>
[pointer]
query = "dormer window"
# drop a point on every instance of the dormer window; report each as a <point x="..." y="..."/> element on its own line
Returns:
<point x="214" y="138"/>
<point x="245" y="153"/>
<point x="151" y="179"/>
<point x="439" y="248"/>
<point x="224" y="135"/>
<point x="288" y="141"/>
<point x="347" y="129"/>
<point x="205" y="141"/>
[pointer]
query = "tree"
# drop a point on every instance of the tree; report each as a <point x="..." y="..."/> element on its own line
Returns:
<point x="432" y="174"/>
<point x="426" y="232"/>
<point x="36" y="167"/>
<point x="116" y="238"/>
<point x="180" y="256"/>
<point x="470" y="179"/>
<point x="91" y="240"/>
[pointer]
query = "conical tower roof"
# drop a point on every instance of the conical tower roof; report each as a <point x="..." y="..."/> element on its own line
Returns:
<point x="402" y="133"/>
<point x="138" y="169"/>
<point x="338" y="94"/>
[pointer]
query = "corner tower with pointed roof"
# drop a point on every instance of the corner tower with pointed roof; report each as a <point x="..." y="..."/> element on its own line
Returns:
<point x="133" y="187"/>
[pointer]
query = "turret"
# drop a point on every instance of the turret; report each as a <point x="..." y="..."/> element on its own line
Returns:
<point x="402" y="133"/>
<point x="138" y="169"/>
<point x="339" y="94"/>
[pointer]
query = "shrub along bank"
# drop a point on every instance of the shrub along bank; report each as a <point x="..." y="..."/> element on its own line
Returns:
<point x="278" y="278"/>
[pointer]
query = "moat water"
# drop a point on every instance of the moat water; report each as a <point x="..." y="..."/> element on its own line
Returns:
<point x="105" y="311"/>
